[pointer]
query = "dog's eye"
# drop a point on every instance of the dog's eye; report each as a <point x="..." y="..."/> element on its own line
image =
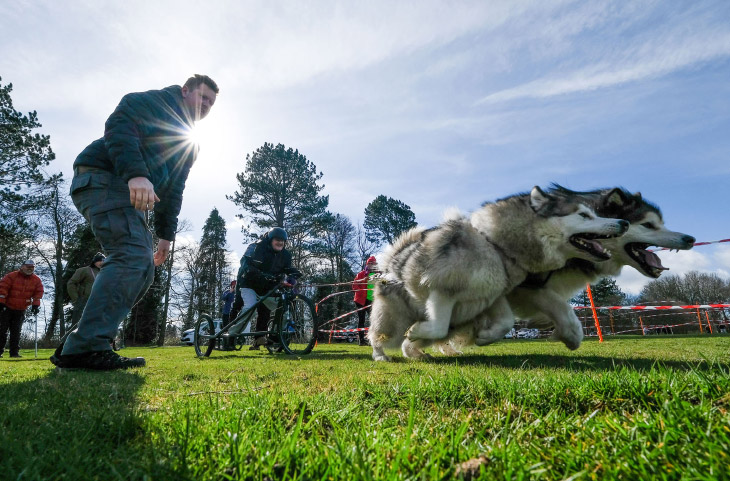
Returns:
<point x="648" y="225"/>
<point x="585" y="215"/>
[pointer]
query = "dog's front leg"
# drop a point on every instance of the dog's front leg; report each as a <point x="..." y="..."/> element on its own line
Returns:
<point x="495" y="323"/>
<point x="438" y="317"/>
<point x="567" y="326"/>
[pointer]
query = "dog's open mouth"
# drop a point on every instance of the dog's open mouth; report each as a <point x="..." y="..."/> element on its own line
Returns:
<point x="590" y="243"/>
<point x="649" y="262"/>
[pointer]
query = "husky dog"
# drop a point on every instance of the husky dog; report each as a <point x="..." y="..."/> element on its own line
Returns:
<point x="543" y="299"/>
<point x="459" y="272"/>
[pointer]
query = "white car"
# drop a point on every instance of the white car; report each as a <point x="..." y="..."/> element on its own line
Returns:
<point x="187" y="336"/>
<point x="526" y="333"/>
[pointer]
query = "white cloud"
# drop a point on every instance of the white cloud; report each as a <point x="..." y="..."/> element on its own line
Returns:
<point x="661" y="56"/>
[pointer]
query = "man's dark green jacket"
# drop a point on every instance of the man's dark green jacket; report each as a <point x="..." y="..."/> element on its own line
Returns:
<point x="147" y="135"/>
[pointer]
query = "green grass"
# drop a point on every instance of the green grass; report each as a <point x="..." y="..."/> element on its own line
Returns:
<point x="630" y="408"/>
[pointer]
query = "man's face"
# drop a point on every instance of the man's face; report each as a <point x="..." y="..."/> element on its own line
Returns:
<point x="278" y="244"/>
<point x="27" y="269"/>
<point x="98" y="264"/>
<point x="198" y="101"/>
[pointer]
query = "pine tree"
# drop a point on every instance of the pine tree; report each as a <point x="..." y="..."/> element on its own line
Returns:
<point x="279" y="188"/>
<point x="22" y="155"/>
<point x="213" y="266"/>
<point x="386" y="218"/>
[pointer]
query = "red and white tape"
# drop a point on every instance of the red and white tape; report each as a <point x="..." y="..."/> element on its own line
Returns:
<point x="658" y="308"/>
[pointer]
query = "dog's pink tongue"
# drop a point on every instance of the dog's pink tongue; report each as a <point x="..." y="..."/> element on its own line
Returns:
<point x="597" y="246"/>
<point x="653" y="260"/>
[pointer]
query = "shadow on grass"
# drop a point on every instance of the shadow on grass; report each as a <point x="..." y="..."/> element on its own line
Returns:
<point x="532" y="361"/>
<point x="69" y="425"/>
<point x="572" y="362"/>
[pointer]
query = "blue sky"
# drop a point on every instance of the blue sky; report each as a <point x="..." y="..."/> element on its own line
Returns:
<point x="436" y="103"/>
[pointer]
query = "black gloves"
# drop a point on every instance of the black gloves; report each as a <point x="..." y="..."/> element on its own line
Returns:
<point x="35" y="309"/>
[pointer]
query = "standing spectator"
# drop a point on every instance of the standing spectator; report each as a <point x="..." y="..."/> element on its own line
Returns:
<point x="18" y="290"/>
<point x="79" y="286"/>
<point x="363" y="287"/>
<point x="141" y="164"/>
<point x="228" y="297"/>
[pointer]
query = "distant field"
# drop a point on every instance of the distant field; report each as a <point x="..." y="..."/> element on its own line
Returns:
<point x="629" y="408"/>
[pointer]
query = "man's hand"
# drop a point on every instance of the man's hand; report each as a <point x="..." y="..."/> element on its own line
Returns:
<point x="142" y="193"/>
<point x="35" y="309"/>
<point x="163" y="248"/>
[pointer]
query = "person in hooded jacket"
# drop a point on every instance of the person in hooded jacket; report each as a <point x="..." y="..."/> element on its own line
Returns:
<point x="140" y="165"/>
<point x="79" y="286"/>
<point x="18" y="290"/>
<point x="263" y="267"/>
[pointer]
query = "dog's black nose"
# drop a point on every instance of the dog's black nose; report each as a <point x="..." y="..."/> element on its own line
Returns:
<point x="688" y="239"/>
<point x="624" y="225"/>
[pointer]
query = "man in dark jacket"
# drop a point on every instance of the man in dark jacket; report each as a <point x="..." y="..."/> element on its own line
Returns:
<point x="141" y="164"/>
<point x="18" y="290"/>
<point x="261" y="270"/>
<point x="79" y="286"/>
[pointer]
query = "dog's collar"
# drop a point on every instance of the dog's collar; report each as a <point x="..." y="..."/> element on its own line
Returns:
<point x="536" y="280"/>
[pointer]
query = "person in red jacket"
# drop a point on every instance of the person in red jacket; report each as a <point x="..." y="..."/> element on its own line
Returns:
<point x="363" y="288"/>
<point x="18" y="290"/>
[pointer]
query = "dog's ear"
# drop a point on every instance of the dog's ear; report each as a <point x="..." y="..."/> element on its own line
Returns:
<point x="615" y="199"/>
<point x="638" y="196"/>
<point x="538" y="199"/>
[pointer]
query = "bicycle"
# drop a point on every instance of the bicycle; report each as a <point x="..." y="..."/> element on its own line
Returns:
<point x="293" y="331"/>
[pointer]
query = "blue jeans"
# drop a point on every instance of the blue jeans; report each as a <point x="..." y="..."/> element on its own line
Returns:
<point x="128" y="271"/>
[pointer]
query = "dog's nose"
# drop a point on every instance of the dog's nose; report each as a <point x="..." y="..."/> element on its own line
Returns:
<point x="624" y="225"/>
<point x="688" y="240"/>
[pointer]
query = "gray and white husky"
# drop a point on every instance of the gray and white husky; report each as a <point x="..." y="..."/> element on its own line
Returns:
<point x="544" y="299"/>
<point x="458" y="273"/>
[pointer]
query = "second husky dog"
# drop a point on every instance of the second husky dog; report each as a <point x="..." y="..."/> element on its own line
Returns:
<point x="546" y="304"/>
<point x="543" y="298"/>
<point x="459" y="272"/>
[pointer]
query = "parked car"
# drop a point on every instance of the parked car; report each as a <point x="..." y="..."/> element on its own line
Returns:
<point x="526" y="333"/>
<point x="187" y="335"/>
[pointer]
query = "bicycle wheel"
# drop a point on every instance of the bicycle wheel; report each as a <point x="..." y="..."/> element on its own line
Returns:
<point x="297" y="325"/>
<point x="203" y="339"/>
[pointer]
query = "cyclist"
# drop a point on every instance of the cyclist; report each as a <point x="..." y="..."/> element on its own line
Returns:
<point x="262" y="268"/>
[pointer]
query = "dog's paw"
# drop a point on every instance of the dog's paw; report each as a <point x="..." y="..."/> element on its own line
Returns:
<point x="413" y="350"/>
<point x="571" y="338"/>
<point x="382" y="357"/>
<point x="379" y="354"/>
<point x="448" y="350"/>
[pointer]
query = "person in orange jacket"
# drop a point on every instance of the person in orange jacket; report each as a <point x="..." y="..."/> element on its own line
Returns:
<point x="363" y="287"/>
<point x="18" y="290"/>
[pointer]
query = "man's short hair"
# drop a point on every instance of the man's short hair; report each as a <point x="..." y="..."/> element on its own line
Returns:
<point x="196" y="80"/>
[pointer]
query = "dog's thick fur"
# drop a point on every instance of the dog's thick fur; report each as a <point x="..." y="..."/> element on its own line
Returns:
<point x="543" y="299"/>
<point x="458" y="273"/>
<point x="546" y="305"/>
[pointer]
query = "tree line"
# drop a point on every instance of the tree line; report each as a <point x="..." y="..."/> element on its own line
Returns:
<point x="279" y="186"/>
